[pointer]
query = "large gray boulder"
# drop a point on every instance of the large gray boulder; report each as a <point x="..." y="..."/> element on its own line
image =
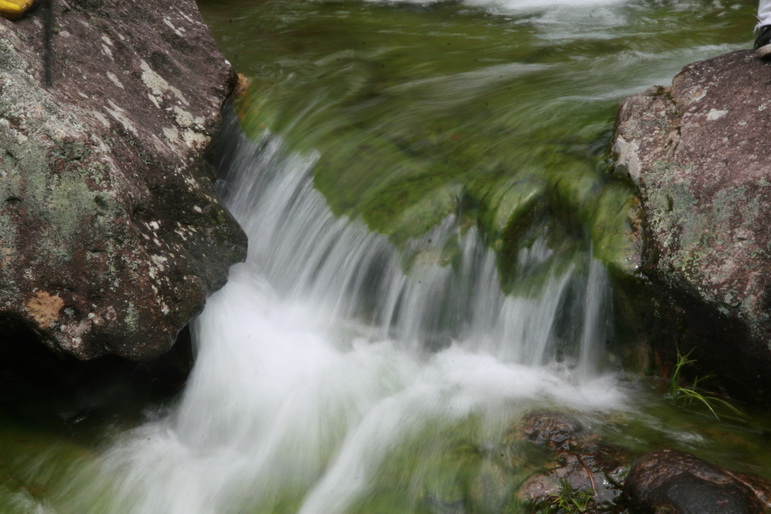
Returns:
<point x="699" y="154"/>
<point x="111" y="236"/>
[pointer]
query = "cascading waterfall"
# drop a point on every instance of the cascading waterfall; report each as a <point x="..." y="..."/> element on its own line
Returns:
<point x="343" y="370"/>
<point x="450" y="293"/>
<point x="326" y="353"/>
<point x="359" y="362"/>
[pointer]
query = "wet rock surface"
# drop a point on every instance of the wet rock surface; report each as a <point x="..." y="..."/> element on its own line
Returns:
<point x="698" y="152"/>
<point x="676" y="481"/>
<point x="585" y="472"/>
<point x="111" y="236"/>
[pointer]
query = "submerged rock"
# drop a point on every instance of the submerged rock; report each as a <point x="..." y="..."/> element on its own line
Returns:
<point x="698" y="152"/>
<point x="584" y="469"/>
<point x="676" y="481"/>
<point x="111" y="236"/>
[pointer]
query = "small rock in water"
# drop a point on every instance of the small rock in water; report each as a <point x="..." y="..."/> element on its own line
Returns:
<point x="553" y="430"/>
<point x="582" y="466"/>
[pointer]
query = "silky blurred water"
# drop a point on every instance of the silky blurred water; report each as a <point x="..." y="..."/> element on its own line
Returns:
<point x="323" y="356"/>
<point x="425" y="189"/>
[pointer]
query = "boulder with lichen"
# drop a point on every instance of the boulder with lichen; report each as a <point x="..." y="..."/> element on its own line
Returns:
<point x="111" y="235"/>
<point x="698" y="153"/>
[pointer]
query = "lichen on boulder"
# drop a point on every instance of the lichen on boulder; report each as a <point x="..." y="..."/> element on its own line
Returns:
<point x="698" y="152"/>
<point x="111" y="235"/>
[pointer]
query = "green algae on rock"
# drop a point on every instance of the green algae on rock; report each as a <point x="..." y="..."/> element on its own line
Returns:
<point x="403" y="163"/>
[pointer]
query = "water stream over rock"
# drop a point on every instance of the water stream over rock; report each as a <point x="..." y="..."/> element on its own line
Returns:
<point x="430" y="225"/>
<point x="323" y="357"/>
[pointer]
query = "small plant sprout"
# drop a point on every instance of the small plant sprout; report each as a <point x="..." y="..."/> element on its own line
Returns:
<point x="681" y="393"/>
<point x="573" y="500"/>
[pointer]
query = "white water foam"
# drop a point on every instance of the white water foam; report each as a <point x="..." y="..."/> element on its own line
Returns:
<point x="516" y="6"/>
<point x="322" y="355"/>
<point x="568" y="17"/>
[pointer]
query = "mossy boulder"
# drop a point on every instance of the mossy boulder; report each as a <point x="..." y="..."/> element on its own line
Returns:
<point x="111" y="235"/>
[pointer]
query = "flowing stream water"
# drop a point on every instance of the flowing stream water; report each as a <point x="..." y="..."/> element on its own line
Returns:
<point x="431" y="225"/>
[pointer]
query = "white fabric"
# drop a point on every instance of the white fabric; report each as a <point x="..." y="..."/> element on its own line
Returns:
<point x="764" y="13"/>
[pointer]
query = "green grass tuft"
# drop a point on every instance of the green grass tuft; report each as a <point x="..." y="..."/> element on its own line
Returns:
<point x="689" y="394"/>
